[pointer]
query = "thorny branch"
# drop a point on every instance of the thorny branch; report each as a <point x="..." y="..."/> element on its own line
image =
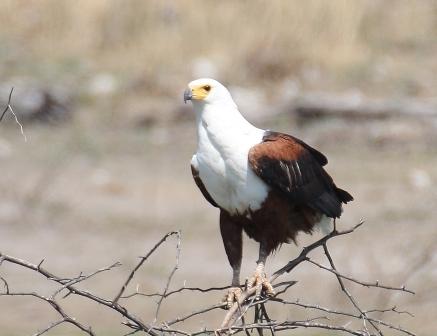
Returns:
<point x="173" y="271"/>
<point x="141" y="262"/>
<point x="236" y="318"/>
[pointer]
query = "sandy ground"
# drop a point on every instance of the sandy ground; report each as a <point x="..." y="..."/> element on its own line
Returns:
<point x="83" y="197"/>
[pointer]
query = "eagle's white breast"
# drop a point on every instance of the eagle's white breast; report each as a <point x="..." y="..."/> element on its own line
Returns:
<point x="222" y="159"/>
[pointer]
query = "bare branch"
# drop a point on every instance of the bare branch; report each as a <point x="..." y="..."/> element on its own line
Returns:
<point x="58" y="308"/>
<point x="7" y="105"/>
<point x="81" y="278"/>
<point x="5" y="284"/>
<point x="176" y="266"/>
<point x="50" y="327"/>
<point x="236" y="318"/>
<point x="392" y="309"/>
<point x="141" y="262"/>
<point x="362" y="283"/>
<point x="176" y="291"/>
<point x="194" y="313"/>
<point x="345" y="314"/>
<point x="74" y="290"/>
<point x="231" y="317"/>
<point x="349" y="295"/>
<point x="9" y="108"/>
<point x="287" y="325"/>
<point x="303" y="255"/>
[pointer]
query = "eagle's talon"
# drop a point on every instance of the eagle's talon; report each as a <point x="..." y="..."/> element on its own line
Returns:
<point x="268" y="288"/>
<point x="262" y="285"/>
<point x="232" y="296"/>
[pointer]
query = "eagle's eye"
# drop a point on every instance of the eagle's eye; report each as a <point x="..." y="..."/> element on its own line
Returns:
<point x="207" y="88"/>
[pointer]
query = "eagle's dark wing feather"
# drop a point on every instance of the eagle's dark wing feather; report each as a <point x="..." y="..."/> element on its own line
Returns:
<point x="201" y="186"/>
<point x="294" y="168"/>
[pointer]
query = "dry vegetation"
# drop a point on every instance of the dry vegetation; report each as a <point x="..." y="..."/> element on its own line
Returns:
<point x="108" y="184"/>
<point x="376" y="45"/>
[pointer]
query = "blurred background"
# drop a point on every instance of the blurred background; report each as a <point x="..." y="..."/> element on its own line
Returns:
<point x="105" y="170"/>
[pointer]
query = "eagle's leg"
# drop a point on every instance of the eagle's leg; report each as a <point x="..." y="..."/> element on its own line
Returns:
<point x="232" y="234"/>
<point x="259" y="279"/>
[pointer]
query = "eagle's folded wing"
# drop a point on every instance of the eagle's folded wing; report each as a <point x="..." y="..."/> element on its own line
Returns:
<point x="292" y="167"/>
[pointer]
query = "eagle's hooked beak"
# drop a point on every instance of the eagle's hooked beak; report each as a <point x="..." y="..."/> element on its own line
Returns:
<point x="188" y="94"/>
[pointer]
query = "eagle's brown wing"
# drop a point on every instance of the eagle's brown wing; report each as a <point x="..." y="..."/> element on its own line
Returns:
<point x="201" y="186"/>
<point x="292" y="167"/>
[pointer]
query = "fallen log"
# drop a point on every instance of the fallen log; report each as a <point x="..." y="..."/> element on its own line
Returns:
<point x="312" y="106"/>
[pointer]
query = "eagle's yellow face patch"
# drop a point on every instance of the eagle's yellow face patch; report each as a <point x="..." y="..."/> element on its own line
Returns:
<point x="200" y="92"/>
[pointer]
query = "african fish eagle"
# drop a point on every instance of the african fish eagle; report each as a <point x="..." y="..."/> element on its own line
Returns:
<point x="269" y="184"/>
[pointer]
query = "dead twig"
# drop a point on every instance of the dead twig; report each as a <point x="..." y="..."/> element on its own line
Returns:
<point x="10" y="109"/>
<point x="303" y="255"/>
<point x="170" y="277"/>
<point x="65" y="317"/>
<point x="81" y="278"/>
<point x="140" y="263"/>
<point x="349" y="295"/>
<point x="176" y="291"/>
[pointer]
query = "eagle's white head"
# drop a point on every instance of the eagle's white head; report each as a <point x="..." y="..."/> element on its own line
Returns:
<point x="216" y="110"/>
<point x="207" y="91"/>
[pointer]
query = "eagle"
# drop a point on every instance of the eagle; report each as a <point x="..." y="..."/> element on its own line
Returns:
<point x="268" y="184"/>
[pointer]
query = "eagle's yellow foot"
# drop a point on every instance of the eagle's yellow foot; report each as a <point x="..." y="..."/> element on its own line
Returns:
<point x="232" y="296"/>
<point x="261" y="283"/>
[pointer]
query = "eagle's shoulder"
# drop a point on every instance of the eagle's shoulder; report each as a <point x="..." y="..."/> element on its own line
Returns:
<point x="199" y="183"/>
<point x="287" y="146"/>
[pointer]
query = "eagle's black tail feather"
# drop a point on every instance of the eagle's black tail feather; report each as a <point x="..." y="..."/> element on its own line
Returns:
<point x="329" y="203"/>
<point x="343" y="195"/>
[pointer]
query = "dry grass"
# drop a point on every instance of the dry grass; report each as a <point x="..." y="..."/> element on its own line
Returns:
<point x="387" y="44"/>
